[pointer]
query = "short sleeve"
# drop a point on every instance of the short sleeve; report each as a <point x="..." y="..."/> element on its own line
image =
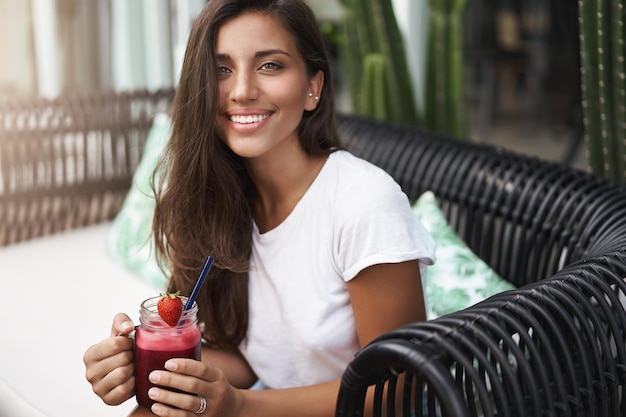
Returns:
<point x="374" y="224"/>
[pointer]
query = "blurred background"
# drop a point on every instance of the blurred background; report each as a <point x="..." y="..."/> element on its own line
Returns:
<point x="520" y="59"/>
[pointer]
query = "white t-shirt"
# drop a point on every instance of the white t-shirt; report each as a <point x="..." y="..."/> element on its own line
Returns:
<point x="301" y="327"/>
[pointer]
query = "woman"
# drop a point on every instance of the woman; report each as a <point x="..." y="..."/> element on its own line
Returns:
<point x="316" y="251"/>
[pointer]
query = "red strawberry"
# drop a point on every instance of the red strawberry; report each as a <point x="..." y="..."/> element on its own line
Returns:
<point x="170" y="308"/>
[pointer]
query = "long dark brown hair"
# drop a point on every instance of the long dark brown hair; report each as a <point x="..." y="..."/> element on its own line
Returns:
<point x="202" y="189"/>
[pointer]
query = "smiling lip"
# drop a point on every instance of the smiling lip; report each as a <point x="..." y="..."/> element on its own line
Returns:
<point x="247" y="122"/>
<point x="249" y="118"/>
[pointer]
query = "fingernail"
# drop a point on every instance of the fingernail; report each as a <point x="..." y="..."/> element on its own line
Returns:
<point x="156" y="409"/>
<point x="153" y="393"/>
<point x="127" y="325"/>
<point x="171" y="365"/>
<point x="154" y="377"/>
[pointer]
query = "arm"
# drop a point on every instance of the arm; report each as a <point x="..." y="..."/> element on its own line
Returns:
<point x="383" y="297"/>
<point x="236" y="369"/>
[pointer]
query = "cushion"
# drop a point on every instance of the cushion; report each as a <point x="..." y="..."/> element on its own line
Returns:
<point x="129" y="241"/>
<point x="62" y="293"/>
<point x="459" y="278"/>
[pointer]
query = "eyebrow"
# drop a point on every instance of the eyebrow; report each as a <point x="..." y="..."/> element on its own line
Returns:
<point x="260" y="54"/>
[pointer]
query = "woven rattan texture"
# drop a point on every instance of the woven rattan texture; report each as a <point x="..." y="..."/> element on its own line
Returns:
<point x="553" y="347"/>
<point x="526" y="217"/>
<point x="68" y="162"/>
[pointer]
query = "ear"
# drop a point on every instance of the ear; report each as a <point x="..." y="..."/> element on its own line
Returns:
<point x="315" y="89"/>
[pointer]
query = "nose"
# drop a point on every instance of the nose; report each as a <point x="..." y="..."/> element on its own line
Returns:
<point x="243" y="88"/>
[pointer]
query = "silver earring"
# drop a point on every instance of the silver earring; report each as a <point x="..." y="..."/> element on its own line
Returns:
<point x="310" y="94"/>
<point x="317" y="98"/>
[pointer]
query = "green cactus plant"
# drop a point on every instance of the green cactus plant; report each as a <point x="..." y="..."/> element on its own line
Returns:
<point x="603" y="69"/>
<point x="376" y="66"/>
<point x="444" y="68"/>
<point x="375" y="62"/>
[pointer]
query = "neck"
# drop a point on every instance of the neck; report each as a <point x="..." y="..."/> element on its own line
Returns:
<point x="280" y="183"/>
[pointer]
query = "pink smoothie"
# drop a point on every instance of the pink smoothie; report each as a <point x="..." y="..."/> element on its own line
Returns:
<point x="154" y="347"/>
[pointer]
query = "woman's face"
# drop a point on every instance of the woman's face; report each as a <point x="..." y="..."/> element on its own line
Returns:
<point x="264" y="86"/>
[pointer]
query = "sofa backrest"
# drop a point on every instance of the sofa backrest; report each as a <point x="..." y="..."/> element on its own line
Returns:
<point x="68" y="162"/>
<point x="526" y="217"/>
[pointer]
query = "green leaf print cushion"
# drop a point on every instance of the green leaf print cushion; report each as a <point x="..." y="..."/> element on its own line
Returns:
<point x="129" y="241"/>
<point x="459" y="278"/>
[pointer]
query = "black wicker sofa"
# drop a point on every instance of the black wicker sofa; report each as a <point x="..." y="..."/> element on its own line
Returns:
<point x="555" y="346"/>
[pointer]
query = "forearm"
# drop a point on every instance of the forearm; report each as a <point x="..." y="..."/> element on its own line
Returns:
<point x="235" y="367"/>
<point x="309" y="401"/>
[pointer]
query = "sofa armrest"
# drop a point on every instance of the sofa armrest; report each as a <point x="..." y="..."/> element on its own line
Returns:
<point x="556" y="347"/>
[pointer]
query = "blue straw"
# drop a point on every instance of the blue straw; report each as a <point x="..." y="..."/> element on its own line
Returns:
<point x="199" y="282"/>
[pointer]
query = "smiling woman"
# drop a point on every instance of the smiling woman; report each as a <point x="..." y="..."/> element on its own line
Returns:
<point x="264" y="90"/>
<point x="306" y="237"/>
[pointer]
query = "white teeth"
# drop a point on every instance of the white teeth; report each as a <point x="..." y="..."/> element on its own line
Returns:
<point x="249" y="119"/>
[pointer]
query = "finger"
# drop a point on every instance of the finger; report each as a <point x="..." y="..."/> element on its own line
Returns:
<point x="179" y="382"/>
<point x="109" y="364"/>
<point x="107" y="348"/>
<point x="201" y="381"/>
<point x="96" y="371"/>
<point x="122" y="325"/>
<point x="194" y="368"/>
<point x="172" y="403"/>
<point x="117" y="386"/>
<point x="112" y="378"/>
<point x="181" y="390"/>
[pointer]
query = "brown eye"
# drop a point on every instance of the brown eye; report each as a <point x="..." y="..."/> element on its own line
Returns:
<point x="271" y="66"/>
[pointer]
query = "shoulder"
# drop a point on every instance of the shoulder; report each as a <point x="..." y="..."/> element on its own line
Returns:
<point x="360" y="185"/>
<point x="349" y="162"/>
<point x="373" y="222"/>
<point x="355" y="175"/>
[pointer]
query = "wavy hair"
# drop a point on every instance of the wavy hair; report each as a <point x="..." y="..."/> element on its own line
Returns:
<point x="202" y="189"/>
